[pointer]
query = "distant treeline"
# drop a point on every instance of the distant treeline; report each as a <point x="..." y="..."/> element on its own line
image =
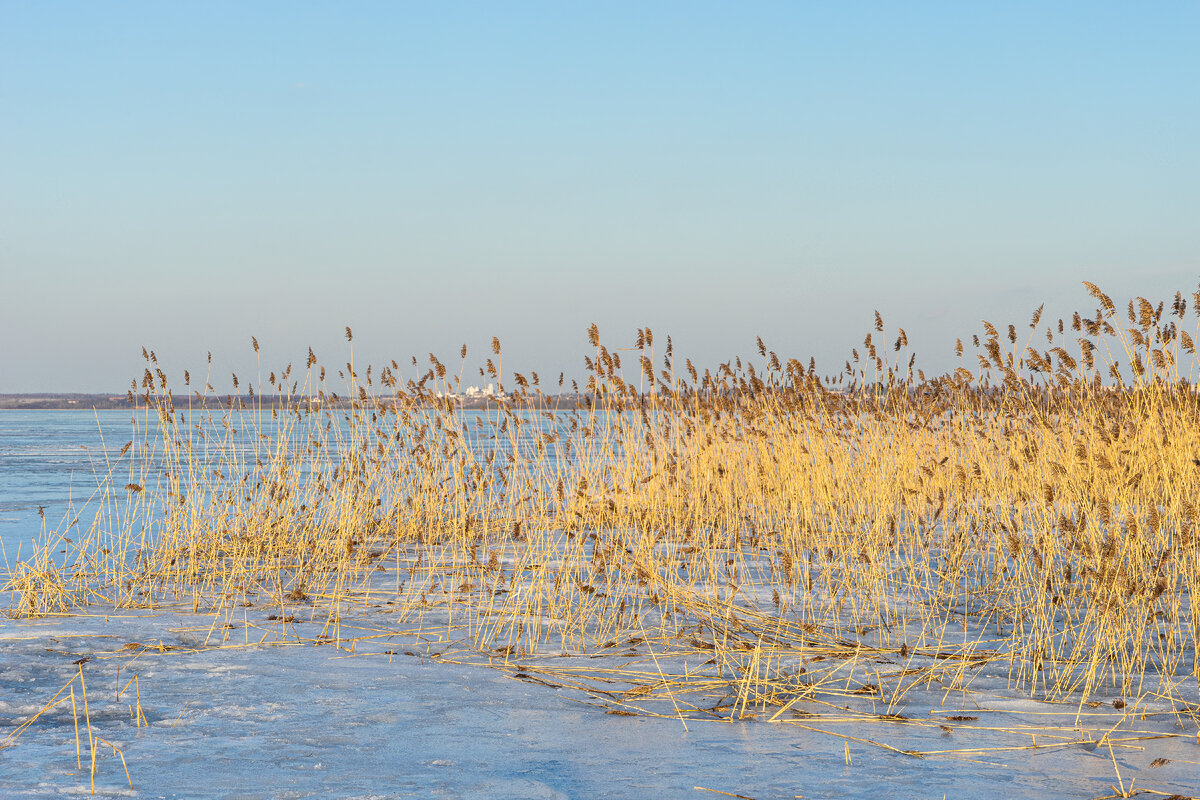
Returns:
<point x="77" y="401"/>
<point x="10" y="402"/>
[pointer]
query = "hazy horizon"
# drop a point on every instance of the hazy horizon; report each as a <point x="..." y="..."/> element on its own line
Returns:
<point x="183" y="177"/>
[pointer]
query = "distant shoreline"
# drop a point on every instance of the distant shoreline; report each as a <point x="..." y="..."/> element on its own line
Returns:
<point x="48" y="401"/>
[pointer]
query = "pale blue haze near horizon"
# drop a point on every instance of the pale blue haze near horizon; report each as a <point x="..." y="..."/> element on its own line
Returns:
<point x="184" y="176"/>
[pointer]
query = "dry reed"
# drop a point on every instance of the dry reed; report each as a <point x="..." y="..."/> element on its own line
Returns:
<point x="757" y="541"/>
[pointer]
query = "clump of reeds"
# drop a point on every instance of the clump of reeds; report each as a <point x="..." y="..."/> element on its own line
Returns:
<point x="1034" y="508"/>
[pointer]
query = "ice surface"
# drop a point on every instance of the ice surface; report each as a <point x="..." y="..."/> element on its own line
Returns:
<point x="269" y="721"/>
<point x="265" y="709"/>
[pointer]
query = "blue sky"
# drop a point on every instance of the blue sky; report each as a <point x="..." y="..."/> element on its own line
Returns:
<point x="185" y="176"/>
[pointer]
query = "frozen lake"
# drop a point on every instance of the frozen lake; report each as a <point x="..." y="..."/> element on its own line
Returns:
<point x="247" y="706"/>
